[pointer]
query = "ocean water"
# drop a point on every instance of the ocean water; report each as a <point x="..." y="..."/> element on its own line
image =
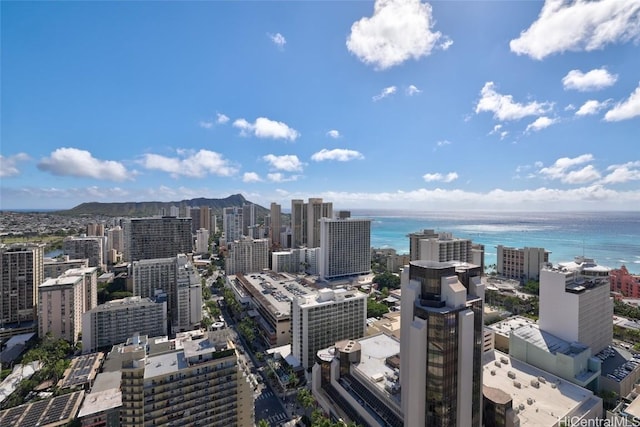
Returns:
<point x="611" y="238"/>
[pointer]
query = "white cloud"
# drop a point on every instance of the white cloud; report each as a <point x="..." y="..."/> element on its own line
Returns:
<point x="626" y="109"/>
<point x="251" y="177"/>
<point x="431" y="177"/>
<point x="279" y="177"/>
<point x="570" y="107"/>
<point x="206" y="124"/>
<point x="591" y="107"/>
<point x="563" y="170"/>
<point x="412" y="90"/>
<point x="540" y="123"/>
<point x="9" y="165"/>
<point x="338" y="154"/>
<point x="191" y="164"/>
<point x="579" y="25"/>
<point x="289" y="163"/>
<point x="446" y="43"/>
<point x="333" y="134"/>
<point x="504" y="108"/>
<point x="622" y="173"/>
<point x="221" y="118"/>
<point x="443" y="142"/>
<point x="595" y="79"/>
<point x="69" y="161"/>
<point x="266" y="128"/>
<point x="278" y="39"/>
<point x="385" y="92"/>
<point x="397" y="31"/>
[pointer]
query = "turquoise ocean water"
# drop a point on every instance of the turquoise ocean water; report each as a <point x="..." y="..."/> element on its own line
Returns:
<point x="611" y="238"/>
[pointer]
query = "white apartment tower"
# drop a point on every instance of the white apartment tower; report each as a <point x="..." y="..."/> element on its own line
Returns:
<point x="441" y="344"/>
<point x="60" y="306"/>
<point x="21" y="272"/>
<point x="247" y="256"/>
<point x="318" y="321"/>
<point x="115" y="321"/>
<point x="89" y="286"/>
<point x="274" y="229"/>
<point x="248" y="218"/>
<point x="115" y="239"/>
<point x="575" y="304"/>
<point x="85" y="247"/>
<point x="152" y="275"/>
<point x="202" y="241"/>
<point x="345" y="247"/>
<point x="232" y="223"/>
<point x="188" y="313"/>
<point x="520" y="263"/>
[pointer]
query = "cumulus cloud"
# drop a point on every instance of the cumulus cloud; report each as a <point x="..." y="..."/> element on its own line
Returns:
<point x="579" y="25"/>
<point x="626" y="109"/>
<point x="333" y="134"/>
<point x="221" y="118"/>
<point x="279" y="177"/>
<point x="540" y="123"/>
<point x="564" y="170"/>
<point x="591" y="107"/>
<point x="626" y="172"/>
<point x="289" y="162"/>
<point x="191" y="164"/>
<point x="251" y="177"/>
<point x="338" y="154"/>
<point x="412" y="90"/>
<point x="431" y="177"/>
<point x="278" y="39"/>
<point x="397" y="31"/>
<point x="9" y="165"/>
<point x="443" y="142"/>
<point x="266" y="128"/>
<point x="68" y="161"/>
<point x="387" y="91"/>
<point x="595" y="79"/>
<point x="504" y="108"/>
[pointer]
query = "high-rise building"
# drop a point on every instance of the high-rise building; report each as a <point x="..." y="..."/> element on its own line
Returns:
<point x="21" y="272"/>
<point x="575" y="304"/>
<point x="115" y="239"/>
<point x="194" y="214"/>
<point x="232" y="223"/>
<point x="89" y="286"/>
<point x="318" y="321"/>
<point x="414" y="242"/>
<point x="345" y="247"/>
<point x="193" y="382"/>
<point x="274" y="229"/>
<point x="205" y="218"/>
<point x="60" y="306"/>
<point x="174" y="211"/>
<point x="202" y="241"/>
<point x="94" y="229"/>
<point x="625" y="283"/>
<point x="441" y="344"/>
<point x="316" y="210"/>
<point x="115" y="321"/>
<point x="520" y="263"/>
<point x="188" y="313"/>
<point x="298" y="223"/>
<point x="85" y="247"/>
<point x="248" y="218"/>
<point x="247" y="256"/>
<point x="150" y="238"/>
<point x="57" y="266"/>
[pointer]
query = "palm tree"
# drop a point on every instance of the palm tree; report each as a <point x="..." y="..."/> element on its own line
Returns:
<point x="263" y="423"/>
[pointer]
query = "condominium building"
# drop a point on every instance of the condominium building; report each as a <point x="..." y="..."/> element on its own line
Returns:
<point x="316" y="210"/>
<point x="188" y="313"/>
<point x="520" y="263"/>
<point x="198" y="382"/>
<point x="247" y="256"/>
<point x="94" y="229"/>
<point x="625" y="283"/>
<point x="202" y="241"/>
<point x="345" y="247"/>
<point x="21" y="272"/>
<point x="575" y="304"/>
<point x="205" y="218"/>
<point x="115" y="239"/>
<point x="441" y="344"/>
<point x="248" y="218"/>
<point x="291" y="261"/>
<point x="89" y="286"/>
<point x="414" y="242"/>
<point x="91" y="248"/>
<point x="60" y="307"/>
<point x="298" y="223"/>
<point x="276" y="221"/>
<point x="232" y="223"/>
<point x="151" y="238"/>
<point x="56" y="267"/>
<point x="318" y="321"/>
<point x="115" y="321"/>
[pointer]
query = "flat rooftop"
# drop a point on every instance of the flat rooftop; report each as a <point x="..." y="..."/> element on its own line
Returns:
<point x="83" y="369"/>
<point x="506" y="326"/>
<point x="553" y="399"/>
<point x="374" y="352"/>
<point x="100" y="401"/>
<point x="56" y="410"/>
<point x="275" y="290"/>
<point x="547" y="342"/>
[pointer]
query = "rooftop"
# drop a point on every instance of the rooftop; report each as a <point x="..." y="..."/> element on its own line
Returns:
<point x="83" y="370"/>
<point x="546" y="341"/>
<point x="506" y="326"/>
<point x="101" y="401"/>
<point x="375" y="351"/>
<point x="275" y="291"/>
<point x="60" y="281"/>
<point x="540" y="399"/>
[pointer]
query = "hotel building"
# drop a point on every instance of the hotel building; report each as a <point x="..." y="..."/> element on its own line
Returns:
<point x="247" y="256"/>
<point x="152" y="238"/>
<point x="318" y="321"/>
<point x="345" y="247"/>
<point x="276" y="221"/>
<point x="441" y="344"/>
<point x="520" y="263"/>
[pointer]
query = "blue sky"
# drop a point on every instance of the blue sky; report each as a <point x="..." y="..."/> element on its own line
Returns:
<point x="398" y="104"/>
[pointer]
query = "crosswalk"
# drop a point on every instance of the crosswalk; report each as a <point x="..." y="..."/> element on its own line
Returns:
<point x="264" y="395"/>
<point x="277" y="419"/>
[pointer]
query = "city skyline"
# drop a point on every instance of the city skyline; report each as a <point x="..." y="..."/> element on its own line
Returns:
<point x="384" y="105"/>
